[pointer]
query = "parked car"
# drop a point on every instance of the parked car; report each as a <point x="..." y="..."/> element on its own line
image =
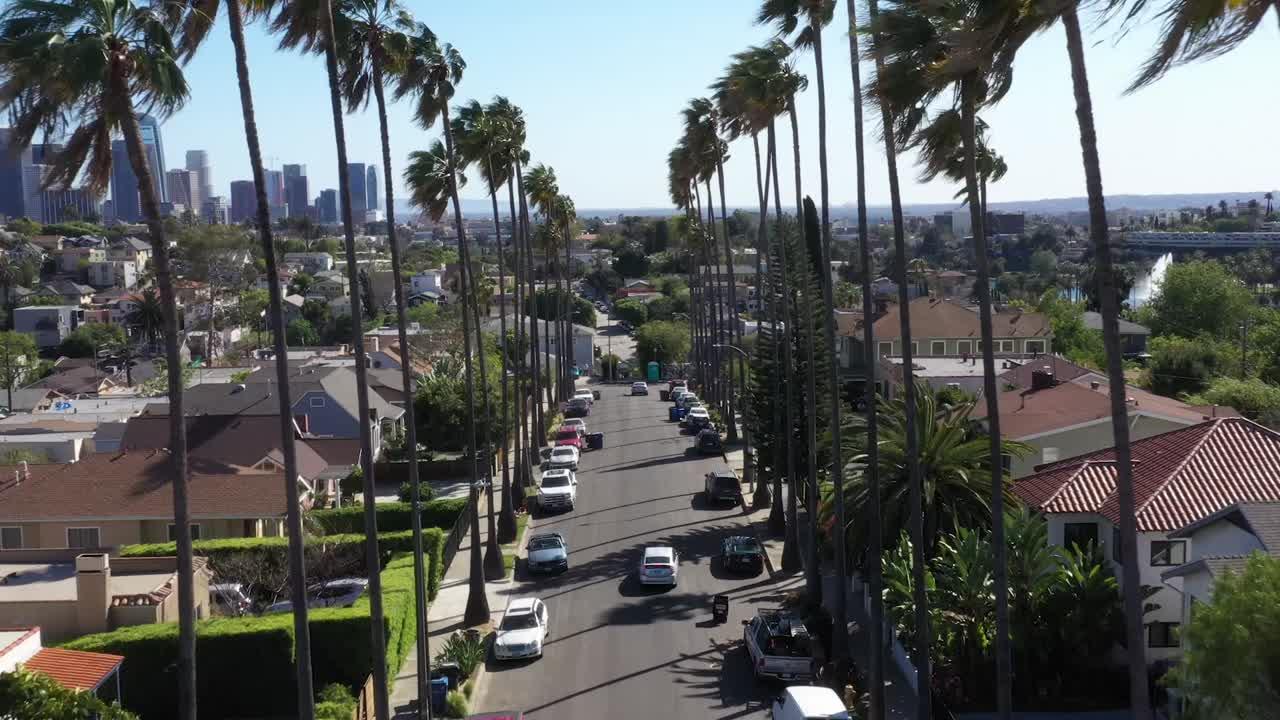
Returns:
<point x="779" y="645"/>
<point x="569" y="436"/>
<point x="698" y="418"/>
<point x="659" y="565"/>
<point x="587" y="395"/>
<point x="687" y="400"/>
<point x="577" y="424"/>
<point x="805" y="702"/>
<point x="722" y="486"/>
<point x="676" y="394"/>
<point x="558" y="489"/>
<point x="577" y="407"/>
<point x="742" y="553"/>
<point x="677" y="382"/>
<point x="341" y="592"/>
<point x="523" y="630"/>
<point x="229" y="599"/>
<point x="639" y="388"/>
<point x="548" y="552"/>
<point x="708" y="442"/>
<point x="563" y="456"/>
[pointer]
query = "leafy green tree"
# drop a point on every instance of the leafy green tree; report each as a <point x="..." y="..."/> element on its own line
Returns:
<point x="1230" y="667"/>
<point x="663" y="342"/>
<point x="301" y="283"/>
<point x="634" y="312"/>
<point x="1254" y="398"/>
<point x="547" y="302"/>
<point x="1200" y="297"/>
<point x="425" y="314"/>
<point x="249" y="307"/>
<point x="18" y="359"/>
<point x="317" y="313"/>
<point x="660" y="308"/>
<point x="27" y="695"/>
<point x="631" y="262"/>
<point x="1044" y="264"/>
<point x="88" y="338"/>
<point x="301" y="333"/>
<point x="1071" y="338"/>
<point x="1183" y="365"/>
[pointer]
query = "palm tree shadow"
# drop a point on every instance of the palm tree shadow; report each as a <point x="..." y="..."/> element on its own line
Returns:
<point x="725" y="675"/>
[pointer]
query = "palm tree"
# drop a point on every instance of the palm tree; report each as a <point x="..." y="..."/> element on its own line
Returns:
<point x="312" y="27"/>
<point x="542" y="189"/>
<point x="82" y="67"/>
<point x="1268" y="196"/>
<point x="197" y="27"/>
<point x="8" y="277"/>
<point x="875" y="639"/>
<point x="147" y="314"/>
<point x="432" y="70"/>
<point x="1195" y="30"/>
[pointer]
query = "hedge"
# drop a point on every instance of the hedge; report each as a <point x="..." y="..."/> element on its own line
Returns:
<point x="274" y="550"/>
<point x="392" y="517"/>
<point x="245" y="665"/>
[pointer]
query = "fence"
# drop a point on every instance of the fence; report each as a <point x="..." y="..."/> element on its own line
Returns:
<point x="459" y="529"/>
<point x="364" y="703"/>
<point x="896" y="650"/>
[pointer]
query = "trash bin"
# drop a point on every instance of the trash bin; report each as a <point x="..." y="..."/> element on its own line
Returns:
<point x="595" y="394"/>
<point x="673" y="414"/>
<point x="448" y="671"/>
<point x="439" y="691"/>
<point x="664" y="395"/>
<point x="595" y="441"/>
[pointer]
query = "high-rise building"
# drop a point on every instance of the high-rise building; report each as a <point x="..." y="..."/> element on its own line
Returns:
<point x="183" y="187"/>
<point x="71" y="204"/>
<point x="124" y="183"/>
<point x="43" y="153"/>
<point x="297" y="192"/>
<point x="216" y="211"/>
<point x="327" y="204"/>
<point x="372" y="202"/>
<point x="32" y="194"/>
<point x="356" y="188"/>
<point x="12" y="160"/>
<point x="275" y="187"/>
<point x="198" y="162"/>
<point x="244" y="201"/>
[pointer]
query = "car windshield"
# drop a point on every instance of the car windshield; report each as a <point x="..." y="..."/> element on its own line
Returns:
<point x="725" y="481"/>
<point x="520" y="621"/>
<point x="563" y="452"/>
<point x="544" y="543"/>
<point x="745" y="545"/>
<point x="567" y="434"/>
<point x="657" y="559"/>
<point x="555" y="481"/>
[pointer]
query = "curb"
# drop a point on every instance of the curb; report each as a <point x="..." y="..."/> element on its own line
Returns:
<point x="746" y="512"/>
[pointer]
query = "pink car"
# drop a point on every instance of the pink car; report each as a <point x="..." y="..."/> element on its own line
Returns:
<point x="569" y="436"/>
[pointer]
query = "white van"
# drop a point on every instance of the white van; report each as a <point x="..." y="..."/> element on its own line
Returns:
<point x="804" y="702"/>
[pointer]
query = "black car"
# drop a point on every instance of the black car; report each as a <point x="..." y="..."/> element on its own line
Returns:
<point x="722" y="486"/>
<point x="708" y="442"/>
<point x="741" y="553"/>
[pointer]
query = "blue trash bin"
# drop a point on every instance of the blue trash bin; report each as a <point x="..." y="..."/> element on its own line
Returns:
<point x="673" y="413"/>
<point x="439" y="690"/>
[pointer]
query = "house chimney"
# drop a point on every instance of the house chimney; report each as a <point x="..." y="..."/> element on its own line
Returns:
<point x="25" y="470"/>
<point x="1042" y="379"/>
<point x="1215" y="411"/>
<point x="93" y="592"/>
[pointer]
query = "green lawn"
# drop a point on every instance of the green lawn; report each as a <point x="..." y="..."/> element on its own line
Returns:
<point x="509" y="550"/>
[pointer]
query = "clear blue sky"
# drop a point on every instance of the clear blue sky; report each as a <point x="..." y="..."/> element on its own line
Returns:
<point x="602" y="83"/>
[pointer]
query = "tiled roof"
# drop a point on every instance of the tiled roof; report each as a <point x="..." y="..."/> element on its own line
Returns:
<point x="135" y="485"/>
<point x="214" y="441"/>
<point x="74" y="669"/>
<point x="935" y="318"/>
<point x="1063" y="370"/>
<point x="1179" y="477"/>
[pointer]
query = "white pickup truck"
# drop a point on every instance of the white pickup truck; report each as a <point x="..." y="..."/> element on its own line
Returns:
<point x="779" y="646"/>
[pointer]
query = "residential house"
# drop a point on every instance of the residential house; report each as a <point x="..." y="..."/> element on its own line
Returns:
<point x="936" y="372"/>
<point x="190" y="292"/>
<point x="49" y="243"/>
<point x="69" y="594"/>
<point x="286" y="277"/>
<point x="91" y="672"/>
<point x="385" y="354"/>
<point x="427" y="281"/>
<point x="71" y="293"/>
<point x="583" y="341"/>
<point x="24" y="251"/>
<point x="131" y="248"/>
<point x="1066" y="419"/>
<point x="77" y="377"/>
<point x="310" y="262"/>
<point x="632" y="286"/>
<point x="1180" y="479"/>
<point x="113" y="273"/>
<point x="328" y="288"/>
<point x="1133" y="337"/>
<point x="74" y="258"/>
<point x="1020" y="373"/>
<point x="426" y="296"/>
<point x="49" y="325"/>
<point x="950" y="284"/>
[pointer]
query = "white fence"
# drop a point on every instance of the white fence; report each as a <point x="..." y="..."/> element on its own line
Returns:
<point x="896" y="650"/>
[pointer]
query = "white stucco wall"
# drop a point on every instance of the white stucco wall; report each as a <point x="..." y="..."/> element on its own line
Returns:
<point x="1084" y="439"/>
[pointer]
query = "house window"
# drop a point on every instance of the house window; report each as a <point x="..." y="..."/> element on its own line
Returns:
<point x="1163" y="634"/>
<point x="173" y="532"/>
<point x="1079" y="534"/>
<point x="1166" y="553"/>
<point x="915" y="348"/>
<point x="938" y="347"/>
<point x="886" y="349"/>
<point x="83" y="537"/>
<point x="1006" y="346"/>
<point x="315" y="401"/>
<point x="1033" y="347"/>
<point x="11" y="538"/>
<point x="964" y="347"/>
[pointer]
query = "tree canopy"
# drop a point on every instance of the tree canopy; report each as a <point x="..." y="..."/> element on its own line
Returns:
<point x="664" y="342"/>
<point x="1200" y="297"/>
<point x="88" y="338"/>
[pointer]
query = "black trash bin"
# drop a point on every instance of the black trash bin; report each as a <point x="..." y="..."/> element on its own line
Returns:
<point x="449" y="671"/>
<point x="595" y="441"/>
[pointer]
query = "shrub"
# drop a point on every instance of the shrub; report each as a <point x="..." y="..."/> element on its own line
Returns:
<point x="455" y="705"/>
<point x="466" y="649"/>
<point x="392" y="517"/>
<point x="425" y="493"/>
<point x="335" y="702"/>
<point x="27" y="695"/>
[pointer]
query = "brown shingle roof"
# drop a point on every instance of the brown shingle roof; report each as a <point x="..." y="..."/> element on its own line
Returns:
<point x="218" y="440"/>
<point x="936" y="318"/>
<point x="1063" y="370"/>
<point x="1179" y="477"/>
<point x="135" y="485"/>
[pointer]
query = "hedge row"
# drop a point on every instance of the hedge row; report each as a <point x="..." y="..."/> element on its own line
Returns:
<point x="392" y="517"/>
<point x="226" y="554"/>
<point x="245" y="665"/>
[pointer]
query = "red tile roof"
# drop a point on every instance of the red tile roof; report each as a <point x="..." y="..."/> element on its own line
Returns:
<point x="74" y="669"/>
<point x="1179" y="477"/>
<point x="936" y="318"/>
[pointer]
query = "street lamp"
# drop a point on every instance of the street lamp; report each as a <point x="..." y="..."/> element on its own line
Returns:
<point x="748" y="469"/>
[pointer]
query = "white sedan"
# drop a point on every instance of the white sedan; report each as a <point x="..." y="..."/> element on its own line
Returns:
<point x="523" y="630"/>
<point x="659" y="566"/>
<point x="639" y="388"/>
<point x="563" y="456"/>
<point x="587" y="395"/>
<point x="577" y="424"/>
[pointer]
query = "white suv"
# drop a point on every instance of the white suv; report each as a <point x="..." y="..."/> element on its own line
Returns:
<point x="558" y="490"/>
<point x="659" y="566"/>
<point x="523" y="630"/>
<point x="563" y="456"/>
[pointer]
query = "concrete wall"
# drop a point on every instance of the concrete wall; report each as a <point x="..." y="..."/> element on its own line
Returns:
<point x="57" y="620"/>
<point x="958" y="347"/>
<point x="1085" y="439"/>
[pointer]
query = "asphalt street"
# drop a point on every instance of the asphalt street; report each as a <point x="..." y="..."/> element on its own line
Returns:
<point x="618" y="649"/>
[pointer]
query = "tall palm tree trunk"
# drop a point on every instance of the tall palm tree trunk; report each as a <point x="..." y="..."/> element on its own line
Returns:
<point x="421" y="636"/>
<point x="875" y="653"/>
<point x="507" y="517"/>
<point x="750" y="457"/>
<point x="777" y="517"/>
<point x="177" y="421"/>
<point x="522" y="361"/>
<point x="1139" y="700"/>
<point x="790" y="313"/>
<point x="477" y="610"/>
<point x="539" y="436"/>
<point x="735" y="330"/>
<point x="275" y="307"/>
<point x="1004" y="669"/>
<point x="924" y="673"/>
<point x="378" y="641"/>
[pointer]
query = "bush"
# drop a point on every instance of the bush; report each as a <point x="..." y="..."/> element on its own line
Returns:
<point x="630" y="311"/>
<point x="467" y="649"/>
<point x="392" y="517"/>
<point x="29" y="695"/>
<point x="455" y="705"/>
<point x="425" y="493"/>
<point x="335" y="702"/>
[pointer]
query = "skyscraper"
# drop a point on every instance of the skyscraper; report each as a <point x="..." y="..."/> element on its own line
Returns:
<point x="356" y="186"/>
<point x="32" y="195"/>
<point x="198" y="162"/>
<point x="12" y="160"/>
<point x="183" y="187"/>
<point x="373" y="202"/>
<point x="297" y="192"/>
<point x="244" y="201"/>
<point x="124" y="183"/>
<point x="275" y="187"/>
<point x="328" y="205"/>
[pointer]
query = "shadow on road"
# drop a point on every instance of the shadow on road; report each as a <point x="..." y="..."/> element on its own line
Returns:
<point x="688" y="454"/>
<point x="724" y="675"/>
